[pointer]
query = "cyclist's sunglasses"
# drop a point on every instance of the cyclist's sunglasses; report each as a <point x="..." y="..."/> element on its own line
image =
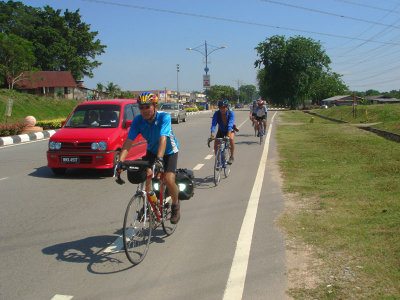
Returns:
<point x="144" y="106"/>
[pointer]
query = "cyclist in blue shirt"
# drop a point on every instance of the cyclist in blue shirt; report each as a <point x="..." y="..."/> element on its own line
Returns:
<point x="225" y="119"/>
<point x="162" y="146"/>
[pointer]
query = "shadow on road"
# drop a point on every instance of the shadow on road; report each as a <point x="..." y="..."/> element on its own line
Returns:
<point x="204" y="183"/>
<point x="45" y="172"/>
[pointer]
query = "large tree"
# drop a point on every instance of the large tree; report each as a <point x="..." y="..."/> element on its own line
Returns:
<point x="290" y="67"/>
<point x="327" y="85"/>
<point x="16" y="57"/>
<point x="248" y="93"/>
<point x="221" y="92"/>
<point x="60" y="42"/>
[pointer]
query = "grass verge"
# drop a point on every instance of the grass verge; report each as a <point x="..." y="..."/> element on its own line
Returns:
<point x="387" y="115"/>
<point x="346" y="187"/>
<point x="42" y="108"/>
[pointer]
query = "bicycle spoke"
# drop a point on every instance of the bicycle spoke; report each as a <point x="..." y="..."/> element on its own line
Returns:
<point x="137" y="229"/>
<point x="217" y="167"/>
<point x="168" y="227"/>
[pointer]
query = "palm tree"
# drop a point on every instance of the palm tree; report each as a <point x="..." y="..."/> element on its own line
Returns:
<point x="112" y="89"/>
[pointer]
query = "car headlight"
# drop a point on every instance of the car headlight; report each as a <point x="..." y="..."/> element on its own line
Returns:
<point x="99" y="146"/>
<point x="54" y="145"/>
<point x="94" y="146"/>
<point x="102" y="146"/>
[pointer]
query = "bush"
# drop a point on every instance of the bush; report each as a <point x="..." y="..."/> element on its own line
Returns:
<point x="11" y="129"/>
<point x="50" y="124"/>
<point x="192" y="109"/>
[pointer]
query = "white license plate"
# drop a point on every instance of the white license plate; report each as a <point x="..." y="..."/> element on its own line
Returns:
<point x="70" y="159"/>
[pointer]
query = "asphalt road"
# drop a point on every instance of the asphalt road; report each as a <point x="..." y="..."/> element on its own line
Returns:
<point x="55" y="230"/>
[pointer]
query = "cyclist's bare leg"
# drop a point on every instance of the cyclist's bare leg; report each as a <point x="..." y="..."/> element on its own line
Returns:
<point x="265" y="124"/>
<point x="148" y="180"/>
<point x="232" y="142"/>
<point x="169" y="180"/>
<point x="216" y="145"/>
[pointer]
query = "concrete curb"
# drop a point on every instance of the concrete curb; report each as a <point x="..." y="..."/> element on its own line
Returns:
<point x="16" y="139"/>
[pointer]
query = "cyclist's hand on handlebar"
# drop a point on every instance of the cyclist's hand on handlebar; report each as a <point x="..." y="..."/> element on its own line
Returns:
<point x="159" y="165"/>
<point x="209" y="140"/>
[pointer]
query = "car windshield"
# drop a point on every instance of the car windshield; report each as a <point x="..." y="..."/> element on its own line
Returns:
<point x="169" y="107"/>
<point x="94" y="116"/>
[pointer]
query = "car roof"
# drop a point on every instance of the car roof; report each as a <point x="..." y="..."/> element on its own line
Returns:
<point x="110" y="101"/>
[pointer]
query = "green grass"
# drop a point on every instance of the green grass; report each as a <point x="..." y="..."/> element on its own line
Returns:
<point x="42" y="108"/>
<point x="346" y="183"/>
<point x="388" y="115"/>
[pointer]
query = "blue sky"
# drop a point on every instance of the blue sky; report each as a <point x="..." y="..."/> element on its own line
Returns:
<point x="146" y="39"/>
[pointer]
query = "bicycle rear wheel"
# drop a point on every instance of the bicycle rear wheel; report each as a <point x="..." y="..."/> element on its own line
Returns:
<point x="137" y="229"/>
<point x="217" y="167"/>
<point x="227" y="167"/>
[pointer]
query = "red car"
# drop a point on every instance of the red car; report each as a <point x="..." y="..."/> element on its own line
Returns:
<point x="93" y="135"/>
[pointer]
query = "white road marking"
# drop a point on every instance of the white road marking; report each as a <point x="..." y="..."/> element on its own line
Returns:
<point x="208" y="156"/>
<point x="62" y="297"/>
<point x="241" y="124"/>
<point x="198" y="167"/>
<point x="116" y="246"/>
<point x="237" y="276"/>
<point x="4" y="178"/>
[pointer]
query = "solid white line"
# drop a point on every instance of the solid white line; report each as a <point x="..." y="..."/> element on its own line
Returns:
<point x="62" y="297"/>
<point x="198" y="167"/>
<point x="3" y="178"/>
<point x="237" y="276"/>
<point x="208" y="156"/>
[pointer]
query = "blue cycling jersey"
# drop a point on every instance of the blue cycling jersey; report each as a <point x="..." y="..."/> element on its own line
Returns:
<point x="217" y="119"/>
<point x="161" y="126"/>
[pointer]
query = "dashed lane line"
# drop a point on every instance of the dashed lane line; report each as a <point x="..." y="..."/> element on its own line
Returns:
<point x="198" y="167"/>
<point x="62" y="297"/>
<point x="4" y="178"/>
<point x="208" y="156"/>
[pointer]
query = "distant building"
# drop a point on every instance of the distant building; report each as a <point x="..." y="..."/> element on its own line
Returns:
<point x="341" y="100"/>
<point x="59" y="84"/>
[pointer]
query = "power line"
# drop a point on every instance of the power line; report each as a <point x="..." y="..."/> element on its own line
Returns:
<point x="328" y="13"/>
<point x="368" y="6"/>
<point x="237" y="21"/>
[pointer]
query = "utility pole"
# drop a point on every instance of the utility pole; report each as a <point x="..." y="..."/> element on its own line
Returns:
<point x="239" y="84"/>
<point x="177" y="82"/>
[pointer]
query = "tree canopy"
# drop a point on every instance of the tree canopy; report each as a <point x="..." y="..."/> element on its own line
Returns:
<point x="221" y="92"/>
<point x="291" y="68"/>
<point x="61" y="42"/>
<point x="248" y="93"/>
<point x="16" y="56"/>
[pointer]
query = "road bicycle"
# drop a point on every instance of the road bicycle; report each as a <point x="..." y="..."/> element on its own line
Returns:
<point x="260" y="127"/>
<point x="221" y="158"/>
<point x="142" y="215"/>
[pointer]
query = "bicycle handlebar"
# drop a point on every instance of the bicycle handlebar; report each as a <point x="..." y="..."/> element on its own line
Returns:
<point x="126" y="164"/>
<point x="225" y="139"/>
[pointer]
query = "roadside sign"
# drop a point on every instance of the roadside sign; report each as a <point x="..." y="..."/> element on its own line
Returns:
<point x="206" y="81"/>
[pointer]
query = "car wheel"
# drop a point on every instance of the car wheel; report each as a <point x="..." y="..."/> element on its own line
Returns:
<point x="184" y="119"/>
<point x="59" y="171"/>
<point x="177" y="120"/>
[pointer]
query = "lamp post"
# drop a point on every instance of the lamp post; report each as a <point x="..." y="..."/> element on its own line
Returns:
<point x="177" y="82"/>
<point x="205" y="52"/>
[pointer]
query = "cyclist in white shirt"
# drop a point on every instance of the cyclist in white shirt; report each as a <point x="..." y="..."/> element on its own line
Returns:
<point x="252" y="114"/>
<point x="261" y="114"/>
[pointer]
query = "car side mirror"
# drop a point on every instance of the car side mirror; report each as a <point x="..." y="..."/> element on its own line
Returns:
<point x="128" y="123"/>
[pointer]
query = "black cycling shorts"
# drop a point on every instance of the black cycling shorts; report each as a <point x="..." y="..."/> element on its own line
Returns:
<point x="221" y="134"/>
<point x="261" y="118"/>
<point x="170" y="161"/>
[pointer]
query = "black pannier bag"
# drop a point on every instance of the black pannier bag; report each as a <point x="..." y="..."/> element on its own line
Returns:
<point x="184" y="179"/>
<point x="137" y="174"/>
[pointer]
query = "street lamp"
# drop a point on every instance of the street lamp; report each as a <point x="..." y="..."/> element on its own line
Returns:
<point x="206" y="53"/>
<point x="177" y="82"/>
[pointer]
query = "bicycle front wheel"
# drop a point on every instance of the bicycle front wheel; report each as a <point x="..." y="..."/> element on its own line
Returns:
<point x="227" y="167"/>
<point x="167" y="226"/>
<point x="217" y="167"/>
<point x="137" y="229"/>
